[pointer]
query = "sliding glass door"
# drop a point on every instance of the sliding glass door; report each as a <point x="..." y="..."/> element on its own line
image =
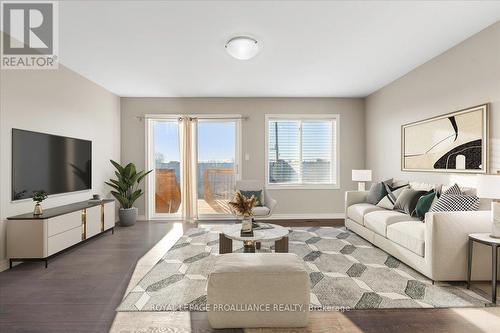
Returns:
<point x="165" y="192"/>
<point x="217" y="165"/>
<point x="217" y="157"/>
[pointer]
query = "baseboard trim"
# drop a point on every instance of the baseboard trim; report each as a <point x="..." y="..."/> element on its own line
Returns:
<point x="306" y="216"/>
<point x="4" y="265"/>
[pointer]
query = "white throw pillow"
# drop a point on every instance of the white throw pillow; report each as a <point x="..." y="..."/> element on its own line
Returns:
<point x="422" y="186"/>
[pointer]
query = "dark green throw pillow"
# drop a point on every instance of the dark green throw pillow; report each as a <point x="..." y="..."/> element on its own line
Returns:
<point x="424" y="204"/>
<point x="257" y="194"/>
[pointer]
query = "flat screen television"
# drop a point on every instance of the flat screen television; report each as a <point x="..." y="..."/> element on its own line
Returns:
<point x="52" y="163"/>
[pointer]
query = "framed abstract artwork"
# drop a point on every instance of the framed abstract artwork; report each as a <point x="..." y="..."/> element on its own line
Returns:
<point x="454" y="142"/>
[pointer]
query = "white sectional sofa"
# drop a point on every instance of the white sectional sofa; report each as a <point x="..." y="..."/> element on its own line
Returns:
<point x="436" y="247"/>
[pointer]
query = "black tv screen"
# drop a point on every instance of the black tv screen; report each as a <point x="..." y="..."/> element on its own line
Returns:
<point x="54" y="164"/>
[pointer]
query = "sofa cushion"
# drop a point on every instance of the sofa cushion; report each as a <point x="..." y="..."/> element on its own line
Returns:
<point x="358" y="211"/>
<point x="258" y="196"/>
<point x="455" y="189"/>
<point x="463" y="190"/>
<point x="379" y="220"/>
<point x="392" y="195"/>
<point x="410" y="235"/>
<point x="407" y="201"/>
<point x="455" y="203"/>
<point x="260" y="211"/>
<point x="377" y="192"/>
<point x="422" y="186"/>
<point x="424" y="204"/>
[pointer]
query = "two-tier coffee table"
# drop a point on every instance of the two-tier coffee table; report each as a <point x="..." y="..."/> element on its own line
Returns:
<point x="278" y="234"/>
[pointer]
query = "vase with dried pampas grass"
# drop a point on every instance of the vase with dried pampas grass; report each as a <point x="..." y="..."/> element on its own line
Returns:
<point x="243" y="207"/>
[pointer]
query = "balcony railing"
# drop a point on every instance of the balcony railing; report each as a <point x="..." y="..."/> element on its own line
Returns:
<point x="218" y="190"/>
<point x="168" y="191"/>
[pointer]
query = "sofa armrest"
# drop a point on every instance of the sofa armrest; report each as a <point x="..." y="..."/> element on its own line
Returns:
<point x="269" y="202"/>
<point x="354" y="197"/>
<point x="446" y="237"/>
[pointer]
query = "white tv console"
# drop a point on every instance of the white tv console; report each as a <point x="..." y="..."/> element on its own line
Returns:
<point x="32" y="237"/>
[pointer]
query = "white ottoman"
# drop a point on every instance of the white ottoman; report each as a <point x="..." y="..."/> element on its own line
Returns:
<point x="258" y="290"/>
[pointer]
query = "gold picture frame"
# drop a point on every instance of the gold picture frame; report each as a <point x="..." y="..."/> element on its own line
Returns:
<point x="456" y="142"/>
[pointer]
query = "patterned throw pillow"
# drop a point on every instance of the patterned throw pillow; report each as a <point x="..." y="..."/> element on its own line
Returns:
<point x="393" y="193"/>
<point x="377" y="192"/>
<point x="455" y="189"/>
<point x="257" y="194"/>
<point x="455" y="203"/>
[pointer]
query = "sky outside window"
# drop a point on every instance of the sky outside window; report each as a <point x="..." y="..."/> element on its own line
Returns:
<point x="216" y="141"/>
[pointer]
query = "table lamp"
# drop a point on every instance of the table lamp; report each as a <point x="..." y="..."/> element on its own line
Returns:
<point x="361" y="176"/>
<point x="488" y="187"/>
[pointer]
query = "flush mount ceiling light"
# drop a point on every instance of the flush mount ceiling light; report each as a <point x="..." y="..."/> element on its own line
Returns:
<point x="242" y="47"/>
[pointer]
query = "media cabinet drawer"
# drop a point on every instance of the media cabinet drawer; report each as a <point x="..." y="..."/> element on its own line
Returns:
<point x="93" y="219"/>
<point x="64" y="240"/>
<point x="63" y="223"/>
<point x="109" y="215"/>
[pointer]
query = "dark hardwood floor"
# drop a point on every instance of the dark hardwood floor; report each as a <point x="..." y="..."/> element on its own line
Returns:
<point x="81" y="288"/>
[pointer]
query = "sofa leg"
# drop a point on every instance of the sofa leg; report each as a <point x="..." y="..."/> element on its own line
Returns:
<point x="432" y="282"/>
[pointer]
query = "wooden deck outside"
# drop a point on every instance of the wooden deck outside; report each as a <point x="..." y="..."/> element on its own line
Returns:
<point x="215" y="207"/>
<point x="218" y="190"/>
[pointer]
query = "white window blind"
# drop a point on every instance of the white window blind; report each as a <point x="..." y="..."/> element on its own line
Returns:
<point x="301" y="151"/>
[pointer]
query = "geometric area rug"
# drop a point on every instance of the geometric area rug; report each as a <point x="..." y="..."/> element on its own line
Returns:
<point x="346" y="272"/>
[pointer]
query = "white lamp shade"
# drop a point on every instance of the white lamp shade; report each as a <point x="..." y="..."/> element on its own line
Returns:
<point x="488" y="186"/>
<point x="242" y="47"/>
<point x="362" y="175"/>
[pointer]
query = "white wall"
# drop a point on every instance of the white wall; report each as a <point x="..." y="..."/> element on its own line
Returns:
<point x="464" y="76"/>
<point x="57" y="102"/>
<point x="310" y="203"/>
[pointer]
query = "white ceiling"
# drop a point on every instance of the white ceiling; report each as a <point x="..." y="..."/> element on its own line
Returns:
<point x="309" y="48"/>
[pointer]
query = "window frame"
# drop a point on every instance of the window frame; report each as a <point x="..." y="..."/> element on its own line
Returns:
<point x="335" y="150"/>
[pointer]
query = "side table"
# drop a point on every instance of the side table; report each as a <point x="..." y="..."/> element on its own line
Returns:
<point x="486" y="239"/>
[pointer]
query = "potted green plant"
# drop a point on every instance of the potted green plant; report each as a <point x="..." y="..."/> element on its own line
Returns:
<point x="127" y="191"/>
<point x="38" y="197"/>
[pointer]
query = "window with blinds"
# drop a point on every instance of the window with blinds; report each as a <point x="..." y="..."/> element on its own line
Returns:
<point x="301" y="150"/>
